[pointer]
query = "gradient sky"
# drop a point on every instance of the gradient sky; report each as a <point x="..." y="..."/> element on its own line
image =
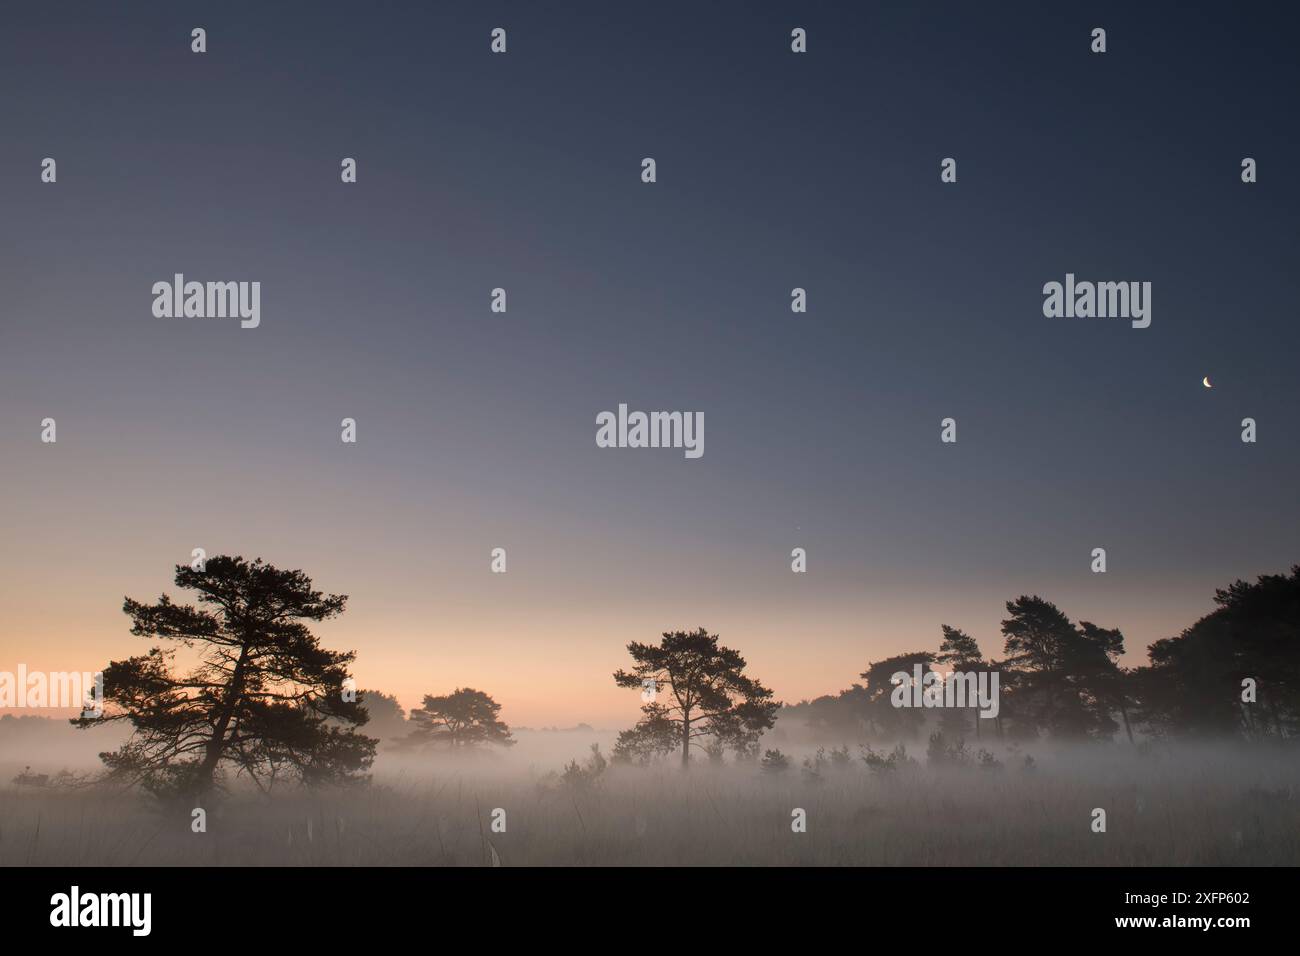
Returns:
<point x="477" y="430"/>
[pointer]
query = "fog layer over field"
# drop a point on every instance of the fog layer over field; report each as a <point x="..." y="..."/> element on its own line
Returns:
<point x="547" y="800"/>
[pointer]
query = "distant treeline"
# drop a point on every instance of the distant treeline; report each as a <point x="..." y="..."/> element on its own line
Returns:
<point x="1235" y="673"/>
<point x="267" y="703"/>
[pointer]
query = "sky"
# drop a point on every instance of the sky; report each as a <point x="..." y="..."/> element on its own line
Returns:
<point x="476" y="430"/>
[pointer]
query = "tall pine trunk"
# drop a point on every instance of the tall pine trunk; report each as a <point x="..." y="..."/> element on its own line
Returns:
<point x="1123" y="712"/>
<point x="217" y="745"/>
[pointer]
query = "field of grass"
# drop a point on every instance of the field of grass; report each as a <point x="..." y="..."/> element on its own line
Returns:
<point x="1205" y="806"/>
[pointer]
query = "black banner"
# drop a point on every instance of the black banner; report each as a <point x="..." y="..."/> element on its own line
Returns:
<point x="333" y="905"/>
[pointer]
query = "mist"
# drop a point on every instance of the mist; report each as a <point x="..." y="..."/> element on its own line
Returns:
<point x="552" y="800"/>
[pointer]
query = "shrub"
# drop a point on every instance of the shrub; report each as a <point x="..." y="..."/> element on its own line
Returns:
<point x="775" y="762"/>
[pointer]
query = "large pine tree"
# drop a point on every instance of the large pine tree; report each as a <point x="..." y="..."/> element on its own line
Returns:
<point x="464" y="718"/>
<point x="698" y="689"/>
<point x="261" y="699"/>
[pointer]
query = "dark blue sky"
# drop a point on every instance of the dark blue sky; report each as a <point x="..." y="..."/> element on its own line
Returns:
<point x="774" y="170"/>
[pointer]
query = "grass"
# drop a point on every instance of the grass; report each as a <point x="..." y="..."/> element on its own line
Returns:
<point x="1212" y="806"/>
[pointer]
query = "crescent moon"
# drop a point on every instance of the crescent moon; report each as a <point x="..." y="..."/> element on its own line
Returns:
<point x="1206" y="382"/>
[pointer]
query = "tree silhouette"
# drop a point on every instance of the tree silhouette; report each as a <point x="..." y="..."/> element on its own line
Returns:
<point x="264" y="699"/>
<point x="960" y="651"/>
<point x="387" y="718"/>
<point x="1096" y="663"/>
<point x="1061" y="678"/>
<point x="707" y="694"/>
<point x="1066" y="680"/>
<point x="1194" y="684"/>
<point x="840" y="716"/>
<point x="879" y="710"/>
<point x="463" y="718"/>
